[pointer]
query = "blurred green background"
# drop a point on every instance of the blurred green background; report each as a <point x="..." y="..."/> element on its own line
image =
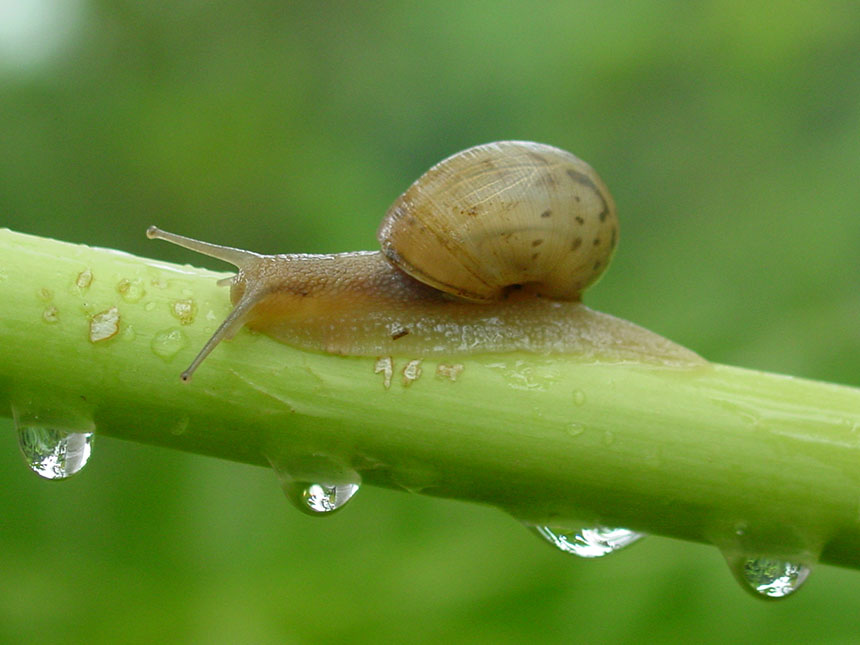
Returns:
<point x="728" y="132"/>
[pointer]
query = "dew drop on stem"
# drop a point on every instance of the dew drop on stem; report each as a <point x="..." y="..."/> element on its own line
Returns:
<point x="53" y="453"/>
<point x="317" y="485"/>
<point x="592" y="542"/>
<point x="167" y="343"/>
<point x="768" y="577"/>
<point x="319" y="498"/>
<point x="55" y="442"/>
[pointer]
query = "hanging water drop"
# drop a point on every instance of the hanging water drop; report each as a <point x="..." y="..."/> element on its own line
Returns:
<point x="316" y="485"/>
<point x="314" y="498"/>
<point x="52" y="453"/>
<point x="594" y="542"/>
<point x="769" y="577"/>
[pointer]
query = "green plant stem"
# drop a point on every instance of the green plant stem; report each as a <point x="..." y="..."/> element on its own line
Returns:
<point x="750" y="461"/>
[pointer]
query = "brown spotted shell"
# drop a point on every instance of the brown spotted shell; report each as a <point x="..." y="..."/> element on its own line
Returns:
<point x="500" y="216"/>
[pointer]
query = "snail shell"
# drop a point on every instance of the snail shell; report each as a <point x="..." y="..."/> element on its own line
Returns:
<point x="489" y="251"/>
<point x="500" y="215"/>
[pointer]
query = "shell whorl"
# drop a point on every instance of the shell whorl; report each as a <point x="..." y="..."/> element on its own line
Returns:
<point x="503" y="215"/>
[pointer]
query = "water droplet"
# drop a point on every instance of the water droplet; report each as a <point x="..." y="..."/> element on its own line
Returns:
<point x="316" y="485"/>
<point x="316" y="498"/>
<point x="412" y="371"/>
<point x="184" y="310"/>
<point x="385" y="366"/>
<point x="593" y="542"/>
<point x="159" y="282"/>
<point x="131" y="290"/>
<point x="575" y="429"/>
<point x="84" y="280"/>
<point x="578" y="397"/>
<point x="768" y="577"/>
<point x="167" y="343"/>
<point x="448" y="371"/>
<point x="104" y="325"/>
<point x="52" y="453"/>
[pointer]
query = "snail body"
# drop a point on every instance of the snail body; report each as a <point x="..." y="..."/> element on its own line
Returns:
<point x="488" y="251"/>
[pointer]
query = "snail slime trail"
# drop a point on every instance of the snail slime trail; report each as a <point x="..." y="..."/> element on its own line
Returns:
<point x="489" y="251"/>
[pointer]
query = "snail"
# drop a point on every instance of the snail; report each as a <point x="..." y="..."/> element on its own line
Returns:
<point x="488" y="251"/>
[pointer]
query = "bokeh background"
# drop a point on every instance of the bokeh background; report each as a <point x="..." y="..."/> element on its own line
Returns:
<point x="729" y="133"/>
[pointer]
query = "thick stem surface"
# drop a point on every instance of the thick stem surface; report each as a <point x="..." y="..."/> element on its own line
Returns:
<point x="751" y="461"/>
